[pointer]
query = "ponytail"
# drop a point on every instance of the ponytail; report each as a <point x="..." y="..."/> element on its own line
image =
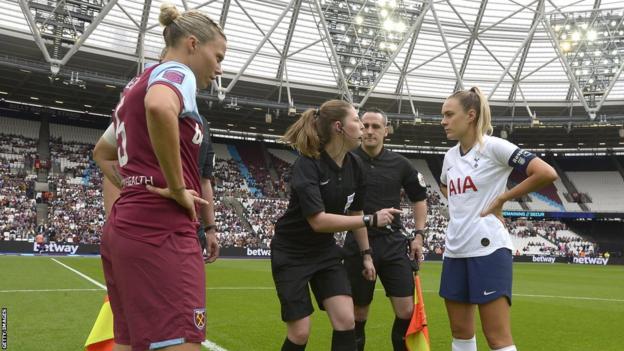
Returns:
<point x="313" y="130"/>
<point x="302" y="135"/>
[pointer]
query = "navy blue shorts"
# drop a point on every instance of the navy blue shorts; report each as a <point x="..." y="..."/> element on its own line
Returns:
<point x="477" y="280"/>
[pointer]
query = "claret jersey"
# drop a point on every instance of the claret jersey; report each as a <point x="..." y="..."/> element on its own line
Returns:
<point x="139" y="214"/>
<point x="473" y="181"/>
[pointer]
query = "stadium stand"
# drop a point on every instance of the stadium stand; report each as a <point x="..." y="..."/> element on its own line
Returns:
<point x="606" y="189"/>
<point x="221" y="151"/>
<point x="288" y="156"/>
<point x="20" y="127"/>
<point x="252" y="156"/>
<point x="245" y="217"/>
<point x="74" y="134"/>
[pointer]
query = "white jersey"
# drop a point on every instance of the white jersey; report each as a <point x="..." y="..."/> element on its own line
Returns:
<point x="473" y="181"/>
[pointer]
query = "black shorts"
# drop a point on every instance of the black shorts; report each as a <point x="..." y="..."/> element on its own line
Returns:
<point x="323" y="272"/>
<point x="391" y="263"/>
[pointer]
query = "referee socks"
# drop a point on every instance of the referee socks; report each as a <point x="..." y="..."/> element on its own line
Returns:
<point x="464" y="345"/>
<point x="343" y="340"/>
<point x="399" y="328"/>
<point x="291" y="346"/>
<point x="360" y="334"/>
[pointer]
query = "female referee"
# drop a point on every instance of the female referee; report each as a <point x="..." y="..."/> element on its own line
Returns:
<point x="477" y="271"/>
<point x="327" y="196"/>
<point x="151" y="256"/>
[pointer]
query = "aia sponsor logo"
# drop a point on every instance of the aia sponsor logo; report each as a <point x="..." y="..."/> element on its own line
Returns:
<point x="461" y="186"/>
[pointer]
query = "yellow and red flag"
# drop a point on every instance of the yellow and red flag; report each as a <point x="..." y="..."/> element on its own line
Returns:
<point x="101" y="336"/>
<point x="417" y="335"/>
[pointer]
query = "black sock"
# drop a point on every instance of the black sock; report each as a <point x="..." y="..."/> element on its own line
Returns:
<point x="399" y="328"/>
<point x="343" y="340"/>
<point x="291" y="346"/>
<point x="360" y="334"/>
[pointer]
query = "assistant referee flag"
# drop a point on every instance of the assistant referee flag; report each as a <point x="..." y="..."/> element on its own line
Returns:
<point x="417" y="335"/>
<point x="101" y="336"/>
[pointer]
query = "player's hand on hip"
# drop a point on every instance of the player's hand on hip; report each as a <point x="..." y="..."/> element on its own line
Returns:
<point x="369" y="272"/>
<point x="184" y="197"/>
<point x="386" y="216"/>
<point x="212" y="247"/>
<point x="495" y="208"/>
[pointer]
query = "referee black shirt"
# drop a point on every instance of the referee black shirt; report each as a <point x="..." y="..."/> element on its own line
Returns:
<point x="206" y="160"/>
<point x="318" y="185"/>
<point x="385" y="175"/>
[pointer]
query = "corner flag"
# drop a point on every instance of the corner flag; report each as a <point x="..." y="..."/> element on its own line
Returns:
<point x="417" y="335"/>
<point x="101" y="336"/>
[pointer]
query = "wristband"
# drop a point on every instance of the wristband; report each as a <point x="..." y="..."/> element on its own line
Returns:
<point x="368" y="251"/>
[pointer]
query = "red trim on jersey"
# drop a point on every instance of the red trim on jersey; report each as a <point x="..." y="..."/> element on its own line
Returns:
<point x="175" y="89"/>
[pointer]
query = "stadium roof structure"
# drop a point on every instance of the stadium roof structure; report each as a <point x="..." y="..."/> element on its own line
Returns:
<point x="539" y="61"/>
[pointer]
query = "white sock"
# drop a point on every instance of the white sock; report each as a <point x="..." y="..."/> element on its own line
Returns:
<point x="507" y="348"/>
<point x="464" y="345"/>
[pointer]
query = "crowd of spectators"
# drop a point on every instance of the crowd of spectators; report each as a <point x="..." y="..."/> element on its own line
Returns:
<point x="18" y="212"/>
<point x="282" y="184"/>
<point x="75" y="213"/>
<point x="262" y="215"/>
<point x="566" y="243"/>
<point x="227" y="179"/>
<point x="17" y="196"/>
<point x="231" y="231"/>
<point x="70" y="158"/>
<point x="17" y="153"/>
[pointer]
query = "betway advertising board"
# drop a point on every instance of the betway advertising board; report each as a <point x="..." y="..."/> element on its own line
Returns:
<point x="29" y="248"/>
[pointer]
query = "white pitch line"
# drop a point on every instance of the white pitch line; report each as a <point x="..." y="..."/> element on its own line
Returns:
<point x="45" y="290"/>
<point x="207" y="343"/>
<point x="212" y="346"/>
<point x="98" y="284"/>
<point x="570" y="297"/>
<point x="435" y="291"/>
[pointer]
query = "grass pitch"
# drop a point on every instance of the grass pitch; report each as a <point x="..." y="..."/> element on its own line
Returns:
<point x="555" y="307"/>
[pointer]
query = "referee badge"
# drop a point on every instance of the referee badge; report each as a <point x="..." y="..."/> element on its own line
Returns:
<point x="199" y="317"/>
<point x="421" y="180"/>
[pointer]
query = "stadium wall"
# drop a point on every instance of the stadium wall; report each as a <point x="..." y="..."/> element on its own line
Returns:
<point x="54" y="249"/>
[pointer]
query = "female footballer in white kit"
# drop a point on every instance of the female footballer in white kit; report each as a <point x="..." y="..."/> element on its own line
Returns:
<point x="477" y="267"/>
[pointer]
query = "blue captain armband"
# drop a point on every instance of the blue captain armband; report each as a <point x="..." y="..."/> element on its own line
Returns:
<point x="520" y="159"/>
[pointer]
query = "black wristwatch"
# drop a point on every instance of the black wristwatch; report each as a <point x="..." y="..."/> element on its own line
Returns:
<point x="210" y="227"/>
<point x="417" y="232"/>
<point x="412" y="236"/>
<point x="368" y="220"/>
<point x="368" y="251"/>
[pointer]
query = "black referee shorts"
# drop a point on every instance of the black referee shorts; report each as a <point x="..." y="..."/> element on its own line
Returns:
<point x="323" y="272"/>
<point x="391" y="263"/>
